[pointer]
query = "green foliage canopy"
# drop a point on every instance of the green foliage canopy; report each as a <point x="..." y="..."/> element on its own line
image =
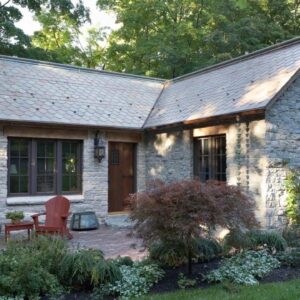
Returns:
<point x="173" y="37"/>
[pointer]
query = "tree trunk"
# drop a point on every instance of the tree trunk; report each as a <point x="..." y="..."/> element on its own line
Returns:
<point x="190" y="271"/>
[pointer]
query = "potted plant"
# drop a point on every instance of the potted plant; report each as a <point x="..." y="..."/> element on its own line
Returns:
<point x="15" y="216"/>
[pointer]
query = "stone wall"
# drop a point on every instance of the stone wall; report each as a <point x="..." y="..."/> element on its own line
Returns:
<point x="245" y="150"/>
<point x="3" y="173"/>
<point x="282" y="150"/>
<point x="169" y="156"/>
<point x="94" y="174"/>
<point x="94" y="182"/>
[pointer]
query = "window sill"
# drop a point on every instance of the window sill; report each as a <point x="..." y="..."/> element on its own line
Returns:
<point x="35" y="200"/>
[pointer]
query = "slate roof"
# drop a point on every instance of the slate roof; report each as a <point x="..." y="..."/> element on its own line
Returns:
<point x="51" y="93"/>
<point x="41" y="92"/>
<point x="243" y="84"/>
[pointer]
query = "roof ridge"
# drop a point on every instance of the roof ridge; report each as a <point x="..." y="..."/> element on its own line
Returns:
<point x="84" y="69"/>
<point x="156" y="101"/>
<point x="238" y="59"/>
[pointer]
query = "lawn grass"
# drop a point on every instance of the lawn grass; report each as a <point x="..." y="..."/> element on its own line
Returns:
<point x="289" y="290"/>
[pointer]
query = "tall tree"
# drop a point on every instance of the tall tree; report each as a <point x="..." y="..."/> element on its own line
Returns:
<point x="173" y="37"/>
<point x="14" y="41"/>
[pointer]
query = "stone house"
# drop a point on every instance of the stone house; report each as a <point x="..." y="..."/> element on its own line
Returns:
<point x="238" y="121"/>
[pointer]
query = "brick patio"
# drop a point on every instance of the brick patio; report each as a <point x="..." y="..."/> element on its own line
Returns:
<point x="113" y="241"/>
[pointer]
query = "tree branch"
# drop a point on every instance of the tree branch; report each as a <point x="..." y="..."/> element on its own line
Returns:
<point x="2" y="5"/>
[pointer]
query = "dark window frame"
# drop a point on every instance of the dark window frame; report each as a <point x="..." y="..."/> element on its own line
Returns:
<point x="211" y="156"/>
<point x="32" y="165"/>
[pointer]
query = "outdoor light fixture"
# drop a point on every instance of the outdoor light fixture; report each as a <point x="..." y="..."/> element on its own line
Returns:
<point x="99" y="146"/>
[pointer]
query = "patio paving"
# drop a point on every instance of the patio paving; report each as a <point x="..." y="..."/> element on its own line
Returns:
<point x="113" y="241"/>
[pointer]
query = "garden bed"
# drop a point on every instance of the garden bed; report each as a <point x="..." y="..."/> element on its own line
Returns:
<point x="169" y="282"/>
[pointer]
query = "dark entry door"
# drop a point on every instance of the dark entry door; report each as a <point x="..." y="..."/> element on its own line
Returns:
<point x="121" y="175"/>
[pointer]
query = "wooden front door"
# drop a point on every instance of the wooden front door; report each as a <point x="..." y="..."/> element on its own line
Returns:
<point x="121" y="175"/>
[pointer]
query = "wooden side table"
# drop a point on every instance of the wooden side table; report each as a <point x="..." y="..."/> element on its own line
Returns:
<point x="18" y="226"/>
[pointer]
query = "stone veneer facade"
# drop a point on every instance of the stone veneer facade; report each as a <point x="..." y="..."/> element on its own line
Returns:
<point x="259" y="154"/>
<point x="94" y="175"/>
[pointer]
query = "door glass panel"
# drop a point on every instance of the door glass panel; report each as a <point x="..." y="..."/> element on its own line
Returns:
<point x="115" y="157"/>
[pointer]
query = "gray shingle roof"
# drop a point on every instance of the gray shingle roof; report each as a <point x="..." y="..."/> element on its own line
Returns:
<point x="244" y="84"/>
<point x="49" y="93"/>
<point x="33" y="91"/>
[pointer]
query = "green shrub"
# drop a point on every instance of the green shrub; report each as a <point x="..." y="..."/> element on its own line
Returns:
<point x="289" y="259"/>
<point x="207" y="249"/>
<point x="123" y="261"/>
<point x="171" y="253"/>
<point x="271" y="240"/>
<point x="105" y="271"/>
<point x="255" y="240"/>
<point x="87" y="267"/>
<point x="45" y="266"/>
<point x="238" y="240"/>
<point x="292" y="186"/>
<point x="23" y="274"/>
<point x="292" y="235"/>
<point x="136" y="280"/>
<point x="244" y="268"/>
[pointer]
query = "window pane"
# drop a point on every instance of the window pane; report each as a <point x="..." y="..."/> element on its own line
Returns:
<point x="206" y="150"/>
<point x="65" y="183"/>
<point x="14" y="148"/>
<point x="23" y="148"/>
<point x="45" y="166"/>
<point x="71" y="161"/>
<point x="73" y="183"/>
<point x="69" y="165"/>
<point x="65" y="148"/>
<point x="23" y="184"/>
<point x="24" y="166"/>
<point x="50" y="149"/>
<point x="18" y="165"/>
<point x="40" y="149"/>
<point x="212" y="157"/>
<point x="45" y="184"/>
<point x="14" y="184"/>
<point x="14" y="166"/>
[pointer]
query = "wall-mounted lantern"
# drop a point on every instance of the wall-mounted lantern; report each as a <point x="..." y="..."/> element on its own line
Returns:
<point x="99" y="147"/>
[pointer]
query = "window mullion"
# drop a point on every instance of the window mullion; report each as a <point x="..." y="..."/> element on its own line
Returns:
<point x="58" y="170"/>
<point x="33" y="168"/>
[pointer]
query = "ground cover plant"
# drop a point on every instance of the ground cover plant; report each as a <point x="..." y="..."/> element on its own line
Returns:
<point x="169" y="215"/>
<point x="244" y="268"/>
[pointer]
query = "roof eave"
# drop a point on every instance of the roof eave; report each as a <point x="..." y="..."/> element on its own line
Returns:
<point x="239" y="116"/>
<point x="68" y="125"/>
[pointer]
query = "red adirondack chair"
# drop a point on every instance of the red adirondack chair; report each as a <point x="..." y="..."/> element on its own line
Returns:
<point x="57" y="212"/>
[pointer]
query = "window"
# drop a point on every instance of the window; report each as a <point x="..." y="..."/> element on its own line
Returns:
<point x="44" y="167"/>
<point x="210" y="158"/>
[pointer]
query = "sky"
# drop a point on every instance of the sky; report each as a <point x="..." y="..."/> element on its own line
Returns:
<point x="98" y="18"/>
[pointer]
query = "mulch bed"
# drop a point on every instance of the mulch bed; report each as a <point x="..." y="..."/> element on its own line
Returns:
<point x="169" y="282"/>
